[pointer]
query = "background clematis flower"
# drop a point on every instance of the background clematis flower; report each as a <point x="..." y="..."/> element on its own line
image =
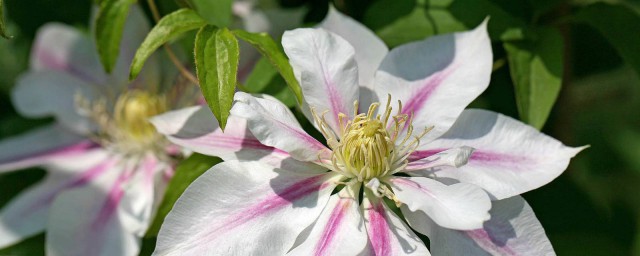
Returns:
<point x="107" y="166"/>
<point x="397" y="137"/>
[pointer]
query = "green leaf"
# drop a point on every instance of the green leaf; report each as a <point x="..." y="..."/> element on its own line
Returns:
<point x="619" y="25"/>
<point x="186" y="172"/>
<point x="265" y="45"/>
<point x="109" y="26"/>
<point x="260" y="77"/>
<point x="536" y="70"/>
<point x="169" y="27"/>
<point x="473" y="12"/>
<point x="420" y="23"/>
<point x="3" y="30"/>
<point x="216" y="12"/>
<point x="33" y="245"/>
<point x="217" y="54"/>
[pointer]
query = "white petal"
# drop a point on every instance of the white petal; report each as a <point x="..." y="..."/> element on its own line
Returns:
<point x="339" y="230"/>
<point x="453" y="157"/>
<point x="26" y="214"/>
<point x="45" y="93"/>
<point x="458" y="206"/>
<point x="388" y="235"/>
<point x="437" y="78"/>
<point x="196" y="128"/>
<point x="370" y="50"/>
<point x="63" y="48"/>
<point x="243" y="208"/>
<point x="39" y="146"/>
<point x="108" y="216"/>
<point x="325" y="65"/>
<point x="274" y="125"/>
<point x="512" y="230"/>
<point x="510" y="158"/>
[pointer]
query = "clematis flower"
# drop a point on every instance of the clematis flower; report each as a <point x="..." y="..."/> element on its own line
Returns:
<point x="107" y="166"/>
<point x="397" y="137"/>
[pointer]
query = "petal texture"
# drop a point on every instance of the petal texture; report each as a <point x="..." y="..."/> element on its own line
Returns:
<point x="39" y="146"/>
<point x="510" y="158"/>
<point x="437" y="78"/>
<point x="235" y="202"/>
<point x="196" y="128"/>
<point x="512" y="230"/>
<point x="274" y="125"/>
<point x="45" y="93"/>
<point x="114" y="212"/>
<point x="388" y="235"/>
<point x="338" y="231"/>
<point x="325" y="66"/>
<point x="370" y="50"/>
<point x="62" y="48"/>
<point x="458" y="206"/>
<point x="26" y="214"/>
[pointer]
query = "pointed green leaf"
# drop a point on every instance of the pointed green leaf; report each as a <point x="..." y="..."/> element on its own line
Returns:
<point x="3" y="30"/>
<point x="109" y="26"/>
<point x="217" y="54"/>
<point x="536" y="70"/>
<point x="186" y="172"/>
<point x="216" y="12"/>
<point x="169" y="27"/>
<point x="619" y="25"/>
<point x="268" y="48"/>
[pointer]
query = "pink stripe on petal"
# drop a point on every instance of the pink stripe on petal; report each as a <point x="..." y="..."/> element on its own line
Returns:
<point x="232" y="143"/>
<point x="423" y="93"/>
<point x="302" y="135"/>
<point x="479" y="157"/>
<point x="333" y="227"/>
<point x="112" y="201"/>
<point x="269" y="204"/>
<point x="334" y="99"/>
<point x="379" y="230"/>
<point x="149" y="167"/>
<point x="493" y="158"/>
<point x="420" y="154"/>
<point x="483" y="239"/>
<point x="39" y="156"/>
<point x="51" y="62"/>
<point x="80" y="180"/>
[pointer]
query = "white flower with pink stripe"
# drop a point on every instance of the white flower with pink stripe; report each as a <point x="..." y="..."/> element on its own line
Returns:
<point x="106" y="165"/>
<point x="398" y="139"/>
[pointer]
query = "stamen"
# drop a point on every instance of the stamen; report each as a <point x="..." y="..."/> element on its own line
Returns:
<point x="381" y="190"/>
<point x="369" y="146"/>
<point x="124" y="125"/>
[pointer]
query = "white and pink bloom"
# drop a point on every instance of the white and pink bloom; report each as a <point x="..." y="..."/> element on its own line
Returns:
<point x="397" y="137"/>
<point x="107" y="166"/>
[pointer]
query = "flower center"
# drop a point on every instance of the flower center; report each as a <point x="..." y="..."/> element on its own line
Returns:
<point x="132" y="111"/>
<point x="365" y="147"/>
<point x="126" y="129"/>
<point x="369" y="145"/>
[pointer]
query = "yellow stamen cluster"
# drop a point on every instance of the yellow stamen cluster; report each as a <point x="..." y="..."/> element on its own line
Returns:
<point x="365" y="147"/>
<point x="132" y="111"/>
<point x="126" y="128"/>
<point x="369" y="146"/>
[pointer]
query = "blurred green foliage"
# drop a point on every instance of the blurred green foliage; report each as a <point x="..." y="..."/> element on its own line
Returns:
<point x="570" y="68"/>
